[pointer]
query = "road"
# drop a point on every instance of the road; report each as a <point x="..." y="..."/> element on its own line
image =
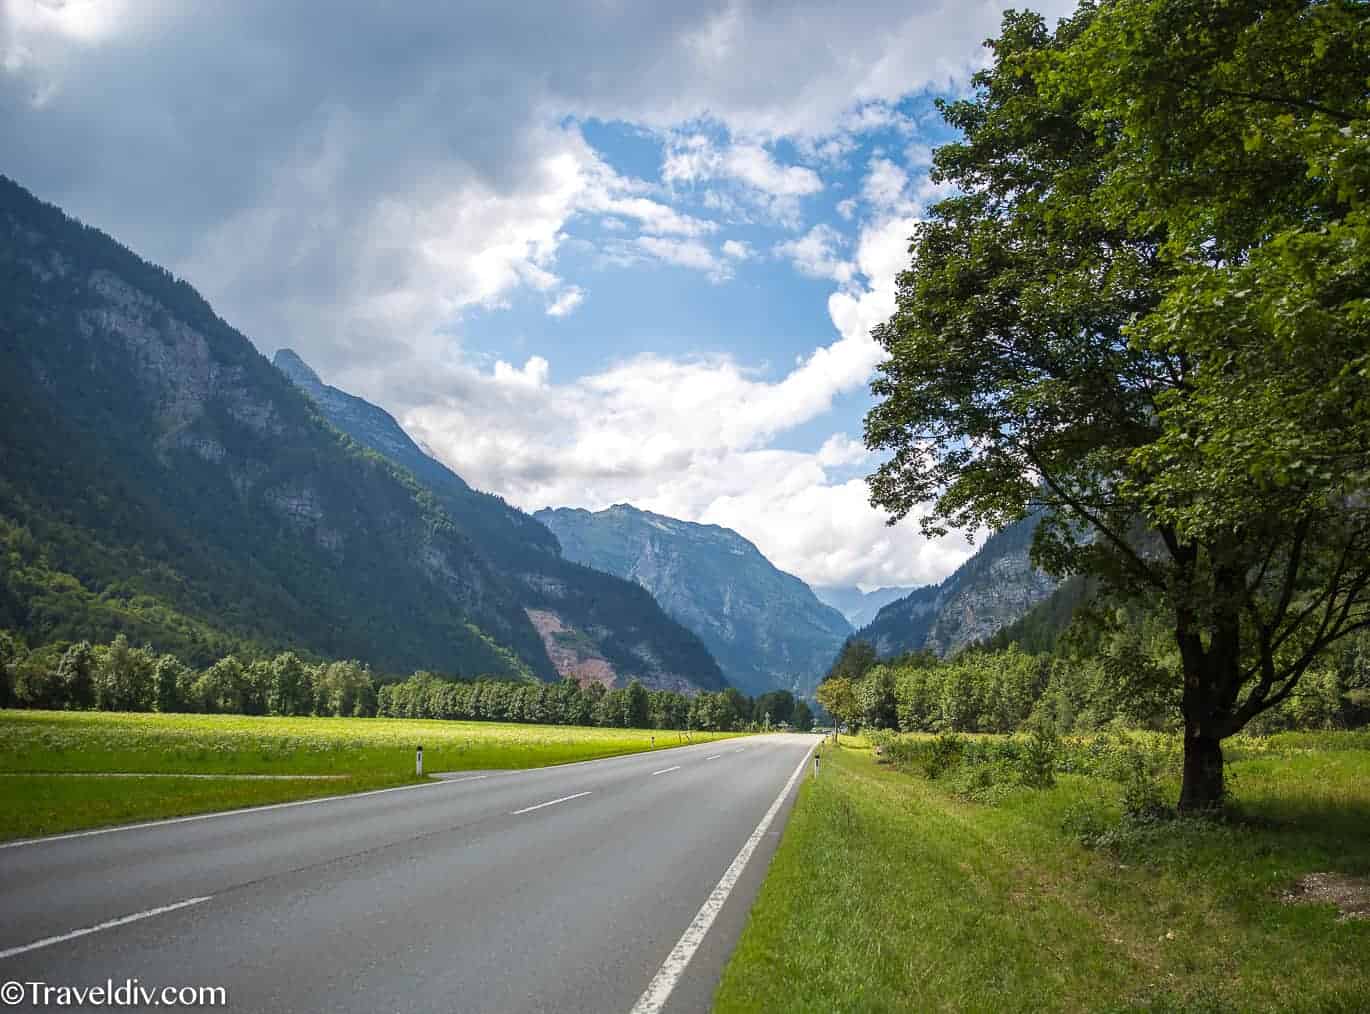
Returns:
<point x="556" y="889"/>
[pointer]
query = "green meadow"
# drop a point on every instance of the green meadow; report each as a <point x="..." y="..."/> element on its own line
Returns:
<point x="906" y="881"/>
<point x="54" y="765"/>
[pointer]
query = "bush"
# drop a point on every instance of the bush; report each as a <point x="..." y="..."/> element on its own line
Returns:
<point x="1037" y="764"/>
<point x="1143" y="799"/>
<point x="943" y="753"/>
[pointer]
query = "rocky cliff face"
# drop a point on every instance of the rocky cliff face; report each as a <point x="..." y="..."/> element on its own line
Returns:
<point x="168" y="483"/>
<point x="990" y="590"/>
<point x="765" y="627"/>
<point x="594" y="627"/>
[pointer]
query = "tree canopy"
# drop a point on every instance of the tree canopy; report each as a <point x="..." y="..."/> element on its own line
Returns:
<point x="1144" y="312"/>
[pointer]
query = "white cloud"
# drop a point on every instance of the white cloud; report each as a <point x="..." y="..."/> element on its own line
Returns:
<point x="355" y="203"/>
<point x="884" y="186"/>
<point x="686" y="253"/>
<point x="567" y="301"/>
<point x="692" y="438"/>
<point x="840" y="449"/>
<point x="687" y="439"/>
<point x="752" y="171"/>
<point x="816" y="254"/>
<point x="847" y="208"/>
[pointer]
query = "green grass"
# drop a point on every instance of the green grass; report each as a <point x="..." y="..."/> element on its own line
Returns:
<point x="888" y="893"/>
<point x="40" y="751"/>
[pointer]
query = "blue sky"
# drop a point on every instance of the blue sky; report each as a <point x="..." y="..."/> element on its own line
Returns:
<point x="586" y="254"/>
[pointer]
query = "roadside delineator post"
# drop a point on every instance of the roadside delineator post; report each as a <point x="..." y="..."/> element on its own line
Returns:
<point x="418" y="761"/>
<point x="815" y="765"/>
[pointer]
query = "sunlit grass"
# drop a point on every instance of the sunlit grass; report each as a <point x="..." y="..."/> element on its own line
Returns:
<point x="366" y="752"/>
<point x="890" y="894"/>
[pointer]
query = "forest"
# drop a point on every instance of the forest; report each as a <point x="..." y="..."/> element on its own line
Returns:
<point x="119" y="676"/>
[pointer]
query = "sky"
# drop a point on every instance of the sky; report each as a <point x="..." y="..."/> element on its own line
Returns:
<point x="586" y="253"/>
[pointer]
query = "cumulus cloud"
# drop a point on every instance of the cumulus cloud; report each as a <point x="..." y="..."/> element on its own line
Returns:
<point x="567" y="301"/>
<point x="686" y="253"/>
<point x="355" y="184"/>
<point x="816" y="254"/>
<point x="884" y="186"/>
<point x="758" y="180"/>
<point x="688" y="439"/>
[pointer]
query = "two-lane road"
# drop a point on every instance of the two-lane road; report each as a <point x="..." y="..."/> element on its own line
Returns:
<point x="554" y="889"/>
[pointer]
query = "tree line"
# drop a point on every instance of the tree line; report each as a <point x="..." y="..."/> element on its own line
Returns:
<point x="119" y="676"/>
<point x="1123" y="681"/>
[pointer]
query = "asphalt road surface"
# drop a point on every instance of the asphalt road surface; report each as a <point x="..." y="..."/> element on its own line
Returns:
<point x="601" y="887"/>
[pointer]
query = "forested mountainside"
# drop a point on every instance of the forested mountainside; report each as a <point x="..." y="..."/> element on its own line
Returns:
<point x="992" y="589"/>
<point x="765" y="627"/>
<point x="162" y="480"/>
<point x="857" y="606"/>
<point x="594" y="626"/>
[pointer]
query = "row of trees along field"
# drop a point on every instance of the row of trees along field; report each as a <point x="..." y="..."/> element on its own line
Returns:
<point x="1125" y="676"/>
<point x="120" y="677"/>
<point x="1143" y="312"/>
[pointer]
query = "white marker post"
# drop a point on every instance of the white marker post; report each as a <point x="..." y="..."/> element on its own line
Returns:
<point x="418" y="761"/>
<point x="815" y="765"/>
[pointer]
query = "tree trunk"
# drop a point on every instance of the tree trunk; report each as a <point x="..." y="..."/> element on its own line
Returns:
<point x="1202" y="788"/>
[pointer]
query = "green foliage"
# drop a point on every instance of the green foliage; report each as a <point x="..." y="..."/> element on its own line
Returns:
<point x="887" y="893"/>
<point x="425" y="695"/>
<point x="854" y="660"/>
<point x="138" y="498"/>
<point x="1038" y="763"/>
<point x="1143" y="313"/>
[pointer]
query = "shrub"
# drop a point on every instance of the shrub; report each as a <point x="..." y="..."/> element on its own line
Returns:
<point x="943" y="753"/>
<point x="1143" y="799"/>
<point x="1037" y="763"/>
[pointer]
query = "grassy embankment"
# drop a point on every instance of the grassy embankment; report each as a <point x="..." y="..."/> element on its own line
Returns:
<point x="892" y="891"/>
<point x="49" y="760"/>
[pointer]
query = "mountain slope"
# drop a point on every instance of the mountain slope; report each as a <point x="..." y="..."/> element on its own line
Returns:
<point x="857" y="606"/>
<point x="765" y="627"/>
<point x="593" y="625"/>
<point x="162" y="479"/>
<point x="990" y="590"/>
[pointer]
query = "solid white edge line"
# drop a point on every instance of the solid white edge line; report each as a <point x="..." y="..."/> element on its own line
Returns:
<point x="659" y="990"/>
<point x="219" y="813"/>
<point x="665" y="771"/>
<point x="124" y="920"/>
<point x="550" y="802"/>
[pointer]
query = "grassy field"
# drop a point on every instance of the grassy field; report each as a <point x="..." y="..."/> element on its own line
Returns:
<point x="892" y="891"/>
<point x="49" y="760"/>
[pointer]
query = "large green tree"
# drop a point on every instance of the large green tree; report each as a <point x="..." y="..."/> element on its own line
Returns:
<point x="1145" y="312"/>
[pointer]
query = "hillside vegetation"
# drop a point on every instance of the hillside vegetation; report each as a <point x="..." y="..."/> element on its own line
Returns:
<point x="593" y="624"/>
<point x="163" y="481"/>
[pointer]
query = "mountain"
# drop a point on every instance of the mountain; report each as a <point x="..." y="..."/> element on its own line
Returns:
<point x="764" y="626"/>
<point x="857" y="606"/>
<point x="592" y="625"/>
<point x="161" y="479"/>
<point x="992" y="589"/>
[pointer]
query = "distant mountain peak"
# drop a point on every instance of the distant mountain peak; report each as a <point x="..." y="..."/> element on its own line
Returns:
<point x="288" y="361"/>
<point x="764" y="626"/>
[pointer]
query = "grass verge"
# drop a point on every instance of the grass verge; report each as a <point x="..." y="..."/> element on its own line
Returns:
<point x="889" y="893"/>
<point x="44" y="753"/>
